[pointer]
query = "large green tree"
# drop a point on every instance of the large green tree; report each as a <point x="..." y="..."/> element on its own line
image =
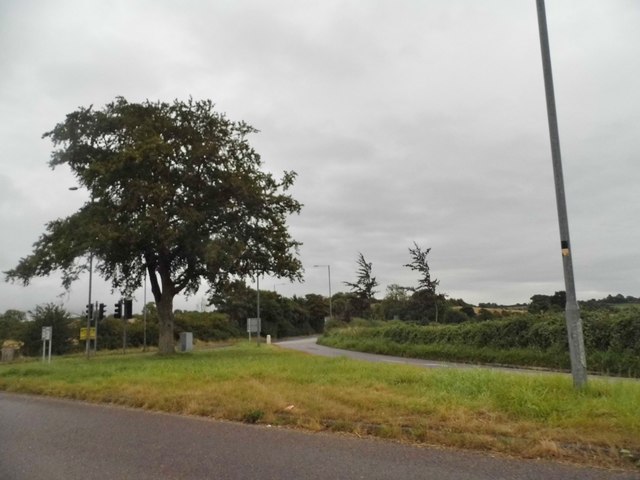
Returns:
<point x="177" y="191"/>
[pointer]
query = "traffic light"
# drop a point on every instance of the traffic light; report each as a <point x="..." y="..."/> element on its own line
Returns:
<point x="118" y="310"/>
<point x="128" y="309"/>
<point x="89" y="310"/>
<point x="101" y="309"/>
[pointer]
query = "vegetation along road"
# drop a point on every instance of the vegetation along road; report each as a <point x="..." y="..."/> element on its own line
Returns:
<point x="309" y="345"/>
<point x="54" y="439"/>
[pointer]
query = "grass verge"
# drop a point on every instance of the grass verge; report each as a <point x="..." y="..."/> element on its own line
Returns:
<point x="523" y="415"/>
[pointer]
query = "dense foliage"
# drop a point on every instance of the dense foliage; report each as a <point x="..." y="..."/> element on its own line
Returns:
<point x="363" y="289"/>
<point x="612" y="340"/>
<point x="176" y="193"/>
<point x="281" y="317"/>
<point x="17" y="330"/>
<point x="205" y="326"/>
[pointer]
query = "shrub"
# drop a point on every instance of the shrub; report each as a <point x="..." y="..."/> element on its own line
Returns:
<point x="206" y="326"/>
<point x="612" y="340"/>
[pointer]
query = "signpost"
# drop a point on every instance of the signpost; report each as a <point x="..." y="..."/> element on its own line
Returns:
<point x="253" y="326"/>
<point x="47" y="334"/>
<point x="92" y="333"/>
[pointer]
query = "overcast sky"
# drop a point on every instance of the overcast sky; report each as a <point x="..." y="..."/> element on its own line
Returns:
<point x="405" y="120"/>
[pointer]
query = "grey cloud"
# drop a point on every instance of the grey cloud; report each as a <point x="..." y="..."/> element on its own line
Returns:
<point x="406" y="121"/>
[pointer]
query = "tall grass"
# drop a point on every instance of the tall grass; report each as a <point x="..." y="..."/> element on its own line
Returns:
<point x="526" y="415"/>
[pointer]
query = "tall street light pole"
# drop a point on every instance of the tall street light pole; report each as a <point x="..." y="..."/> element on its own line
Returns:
<point x="329" y="274"/>
<point x="258" y="296"/>
<point x="88" y="350"/>
<point x="258" y="309"/>
<point x="144" y="318"/>
<point x="572" y="312"/>
<point x="89" y="310"/>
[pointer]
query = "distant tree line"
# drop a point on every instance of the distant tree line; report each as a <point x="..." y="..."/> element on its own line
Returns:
<point x="281" y="317"/>
<point x="421" y="304"/>
<point x="26" y="331"/>
<point x="556" y="303"/>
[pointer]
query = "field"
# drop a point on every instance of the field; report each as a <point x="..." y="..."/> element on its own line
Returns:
<point x="521" y="415"/>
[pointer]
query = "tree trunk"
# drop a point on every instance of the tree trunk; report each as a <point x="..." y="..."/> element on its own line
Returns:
<point x="165" y="325"/>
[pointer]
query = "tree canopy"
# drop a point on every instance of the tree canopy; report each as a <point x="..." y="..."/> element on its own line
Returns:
<point x="366" y="283"/>
<point x="364" y="287"/>
<point x="176" y="191"/>
<point x="420" y="264"/>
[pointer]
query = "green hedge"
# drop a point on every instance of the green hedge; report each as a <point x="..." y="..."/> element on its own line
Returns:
<point x="612" y="341"/>
<point x="205" y="326"/>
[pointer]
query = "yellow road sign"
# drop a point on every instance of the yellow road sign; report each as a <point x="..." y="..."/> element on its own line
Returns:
<point x="92" y="333"/>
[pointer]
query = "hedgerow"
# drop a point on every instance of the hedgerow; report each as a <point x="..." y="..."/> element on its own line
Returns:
<point x="612" y="340"/>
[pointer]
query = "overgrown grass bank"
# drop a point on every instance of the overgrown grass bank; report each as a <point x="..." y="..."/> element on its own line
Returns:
<point x="523" y="415"/>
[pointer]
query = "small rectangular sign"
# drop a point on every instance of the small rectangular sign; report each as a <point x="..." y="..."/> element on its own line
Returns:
<point x="92" y="333"/>
<point x="253" y="325"/>
<point x="46" y="333"/>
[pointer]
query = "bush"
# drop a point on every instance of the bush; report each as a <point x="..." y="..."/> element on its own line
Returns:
<point x="206" y="326"/>
<point x="612" y="340"/>
<point x="63" y="333"/>
<point x="455" y="316"/>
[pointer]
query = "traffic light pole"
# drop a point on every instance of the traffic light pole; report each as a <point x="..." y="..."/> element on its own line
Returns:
<point x="99" y="307"/>
<point x="124" y="309"/>
<point x="89" y="312"/>
<point x="124" y="330"/>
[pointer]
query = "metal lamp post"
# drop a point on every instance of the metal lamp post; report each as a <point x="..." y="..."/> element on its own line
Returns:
<point x="329" y="274"/>
<point x="572" y="313"/>
<point x="258" y="296"/>
<point x="144" y="318"/>
<point x="89" y="310"/>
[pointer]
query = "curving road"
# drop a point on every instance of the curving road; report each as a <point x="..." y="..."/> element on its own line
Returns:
<point x="53" y="439"/>
<point x="309" y="345"/>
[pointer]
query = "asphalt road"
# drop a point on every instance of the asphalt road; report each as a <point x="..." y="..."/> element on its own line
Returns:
<point x="308" y="345"/>
<point x="43" y="438"/>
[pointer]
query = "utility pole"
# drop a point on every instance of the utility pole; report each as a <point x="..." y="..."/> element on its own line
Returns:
<point x="329" y="274"/>
<point x="144" y="318"/>
<point x="89" y="314"/>
<point x="90" y="310"/>
<point x="572" y="312"/>
<point x="258" y="309"/>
